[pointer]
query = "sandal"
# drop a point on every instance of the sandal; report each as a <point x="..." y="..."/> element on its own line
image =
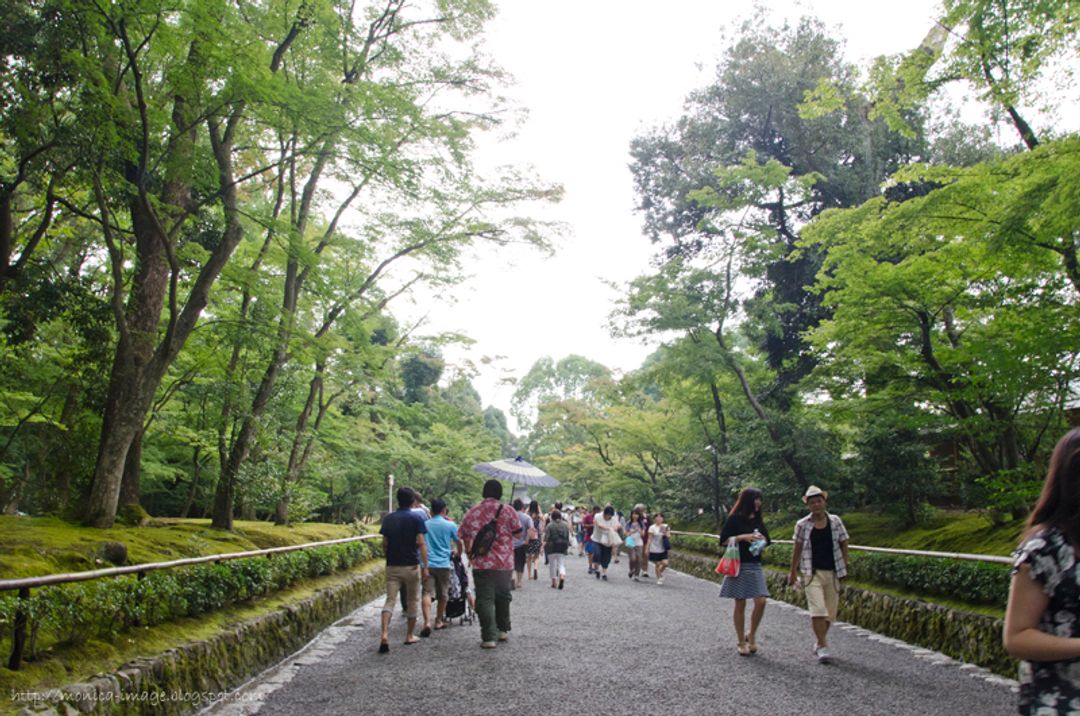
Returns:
<point x="744" y="649"/>
<point x="410" y="642"/>
<point x="440" y="625"/>
<point x="751" y="644"/>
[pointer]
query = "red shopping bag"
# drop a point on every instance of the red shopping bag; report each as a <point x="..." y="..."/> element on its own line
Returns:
<point x="730" y="562"/>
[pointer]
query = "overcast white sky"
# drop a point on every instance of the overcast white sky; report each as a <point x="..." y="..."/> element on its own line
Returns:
<point x="594" y="74"/>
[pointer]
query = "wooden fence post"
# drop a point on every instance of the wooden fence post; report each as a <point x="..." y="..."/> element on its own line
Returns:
<point x="18" y="639"/>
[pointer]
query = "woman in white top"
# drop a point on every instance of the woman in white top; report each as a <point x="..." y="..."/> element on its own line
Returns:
<point x="658" y="546"/>
<point x="606" y="536"/>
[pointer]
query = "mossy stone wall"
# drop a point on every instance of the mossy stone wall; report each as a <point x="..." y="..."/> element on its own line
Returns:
<point x="971" y="638"/>
<point x="181" y="680"/>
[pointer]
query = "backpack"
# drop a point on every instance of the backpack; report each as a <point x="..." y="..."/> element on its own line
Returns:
<point x="559" y="542"/>
<point x="485" y="537"/>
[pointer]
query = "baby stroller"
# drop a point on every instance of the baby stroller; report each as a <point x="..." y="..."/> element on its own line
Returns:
<point x="458" y="604"/>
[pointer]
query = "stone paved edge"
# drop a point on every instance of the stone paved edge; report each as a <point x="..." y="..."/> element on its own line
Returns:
<point x="971" y="638"/>
<point x="187" y="678"/>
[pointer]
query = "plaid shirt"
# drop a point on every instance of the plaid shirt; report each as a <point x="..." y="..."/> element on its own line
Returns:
<point x="804" y="527"/>
<point x="501" y="555"/>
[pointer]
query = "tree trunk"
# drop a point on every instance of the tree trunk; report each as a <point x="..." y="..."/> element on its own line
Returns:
<point x="281" y="510"/>
<point x="9" y="503"/>
<point x="787" y="450"/>
<point x="303" y="438"/>
<point x="225" y="495"/>
<point x="131" y="388"/>
<point x="196" y="473"/>
<point x="129" y="485"/>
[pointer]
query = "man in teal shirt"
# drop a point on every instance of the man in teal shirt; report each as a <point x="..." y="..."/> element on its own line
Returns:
<point x="442" y="537"/>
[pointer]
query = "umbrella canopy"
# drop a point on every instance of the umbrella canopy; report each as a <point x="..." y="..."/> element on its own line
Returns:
<point x="518" y="472"/>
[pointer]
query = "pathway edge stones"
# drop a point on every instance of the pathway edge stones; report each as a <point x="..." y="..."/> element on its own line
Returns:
<point x="187" y="678"/>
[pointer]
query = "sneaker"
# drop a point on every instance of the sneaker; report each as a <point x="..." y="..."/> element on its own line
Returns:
<point x="823" y="655"/>
<point x="644" y="575"/>
<point x="636" y="579"/>
<point x="561" y="580"/>
<point x="597" y="573"/>
<point x="487" y="645"/>
<point x="659" y="581"/>
<point x="504" y="636"/>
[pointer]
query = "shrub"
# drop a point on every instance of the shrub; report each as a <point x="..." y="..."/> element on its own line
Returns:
<point x="115" y="552"/>
<point x="972" y="582"/>
<point x="78" y="612"/>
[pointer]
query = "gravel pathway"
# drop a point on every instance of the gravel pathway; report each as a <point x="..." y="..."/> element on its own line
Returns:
<point x="616" y="647"/>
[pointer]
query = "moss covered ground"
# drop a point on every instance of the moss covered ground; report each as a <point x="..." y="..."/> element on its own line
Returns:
<point x="34" y="546"/>
<point x="63" y="665"/>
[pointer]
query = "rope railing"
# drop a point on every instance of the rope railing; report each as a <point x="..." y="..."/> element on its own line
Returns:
<point x="995" y="559"/>
<point x="25" y="584"/>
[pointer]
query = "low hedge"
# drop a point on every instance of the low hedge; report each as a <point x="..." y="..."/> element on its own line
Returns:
<point x="103" y="608"/>
<point x="973" y="582"/>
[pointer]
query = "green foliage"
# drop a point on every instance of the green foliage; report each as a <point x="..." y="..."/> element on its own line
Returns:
<point x="571" y="378"/>
<point x="975" y="582"/>
<point x="960" y="301"/>
<point x="105" y="608"/>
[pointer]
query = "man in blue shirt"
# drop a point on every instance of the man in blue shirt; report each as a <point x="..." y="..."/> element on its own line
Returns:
<point x="442" y="539"/>
<point x="406" y="553"/>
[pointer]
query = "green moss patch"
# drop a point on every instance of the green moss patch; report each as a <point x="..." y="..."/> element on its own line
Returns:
<point x="69" y="664"/>
<point x="36" y="546"/>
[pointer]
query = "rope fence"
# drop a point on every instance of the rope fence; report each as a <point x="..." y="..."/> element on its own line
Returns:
<point x="995" y="559"/>
<point x="25" y="584"/>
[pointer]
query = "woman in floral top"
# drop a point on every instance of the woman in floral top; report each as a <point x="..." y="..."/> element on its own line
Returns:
<point x="1042" y="620"/>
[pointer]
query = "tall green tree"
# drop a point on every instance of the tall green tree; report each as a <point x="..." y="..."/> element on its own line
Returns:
<point x="727" y="191"/>
<point x="962" y="300"/>
<point x="572" y="377"/>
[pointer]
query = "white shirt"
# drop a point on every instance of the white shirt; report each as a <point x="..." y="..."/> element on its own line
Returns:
<point x="656" y="541"/>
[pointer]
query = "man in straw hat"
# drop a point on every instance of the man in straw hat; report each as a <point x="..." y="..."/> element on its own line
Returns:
<point x="820" y="558"/>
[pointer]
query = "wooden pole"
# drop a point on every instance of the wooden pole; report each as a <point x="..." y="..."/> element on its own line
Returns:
<point x="18" y="639"/>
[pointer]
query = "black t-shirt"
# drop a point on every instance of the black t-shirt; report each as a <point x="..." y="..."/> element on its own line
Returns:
<point x="821" y="548"/>
<point x="400" y="529"/>
<point x="740" y="525"/>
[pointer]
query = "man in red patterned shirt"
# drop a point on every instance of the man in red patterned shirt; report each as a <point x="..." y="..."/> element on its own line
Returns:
<point x="492" y="572"/>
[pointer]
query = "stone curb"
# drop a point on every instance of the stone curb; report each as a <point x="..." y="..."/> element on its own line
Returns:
<point x="188" y="678"/>
<point x="971" y="638"/>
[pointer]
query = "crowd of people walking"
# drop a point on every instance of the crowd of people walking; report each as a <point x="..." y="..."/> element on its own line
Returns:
<point x="504" y="544"/>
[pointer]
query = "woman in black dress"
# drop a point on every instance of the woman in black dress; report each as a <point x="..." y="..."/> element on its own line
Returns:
<point x="745" y="526"/>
